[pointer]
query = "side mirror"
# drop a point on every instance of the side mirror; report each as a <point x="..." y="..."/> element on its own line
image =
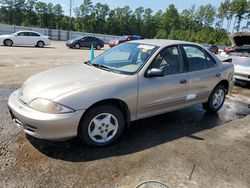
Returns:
<point x="229" y="60"/>
<point x="15" y="35"/>
<point x="154" y="72"/>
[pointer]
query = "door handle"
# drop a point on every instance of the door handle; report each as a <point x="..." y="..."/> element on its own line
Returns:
<point x="218" y="74"/>
<point x="184" y="81"/>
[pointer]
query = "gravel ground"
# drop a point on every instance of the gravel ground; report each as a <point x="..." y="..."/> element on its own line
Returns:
<point x="186" y="148"/>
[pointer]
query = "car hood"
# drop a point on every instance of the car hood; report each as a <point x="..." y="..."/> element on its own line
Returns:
<point x="241" y="69"/>
<point x="240" y="39"/>
<point x="4" y="36"/>
<point x="61" y="80"/>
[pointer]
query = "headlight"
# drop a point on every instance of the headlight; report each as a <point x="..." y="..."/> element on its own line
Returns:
<point x="47" y="106"/>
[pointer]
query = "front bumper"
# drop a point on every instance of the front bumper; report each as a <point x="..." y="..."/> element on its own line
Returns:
<point x="70" y="45"/>
<point x="42" y="125"/>
<point x="241" y="76"/>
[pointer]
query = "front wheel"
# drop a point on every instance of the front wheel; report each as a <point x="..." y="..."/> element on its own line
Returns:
<point x="101" y="126"/>
<point x="77" y="46"/>
<point x="8" y="42"/>
<point x="216" y="99"/>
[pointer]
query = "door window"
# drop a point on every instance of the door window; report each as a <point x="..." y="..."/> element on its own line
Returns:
<point x="211" y="62"/>
<point x="23" y="34"/>
<point x="31" y="34"/>
<point x="196" y="58"/>
<point x="169" y="60"/>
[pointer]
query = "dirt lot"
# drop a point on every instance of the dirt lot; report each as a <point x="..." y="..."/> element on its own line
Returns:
<point x="186" y="148"/>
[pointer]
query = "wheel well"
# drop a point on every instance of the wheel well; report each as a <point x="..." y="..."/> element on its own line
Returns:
<point x="121" y="105"/>
<point x="6" y="40"/>
<point x="225" y="83"/>
<point x="40" y="41"/>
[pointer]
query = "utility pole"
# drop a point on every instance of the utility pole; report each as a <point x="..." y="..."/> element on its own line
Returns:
<point x="70" y="15"/>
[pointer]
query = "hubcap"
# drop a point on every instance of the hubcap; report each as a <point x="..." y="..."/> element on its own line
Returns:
<point x="9" y="43"/>
<point x="40" y="44"/>
<point x="103" y="127"/>
<point x="218" y="98"/>
<point x="77" y="46"/>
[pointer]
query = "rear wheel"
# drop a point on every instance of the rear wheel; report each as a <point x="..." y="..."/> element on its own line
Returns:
<point x="101" y="126"/>
<point x="40" y="44"/>
<point x="8" y="42"/>
<point x="77" y="46"/>
<point x="216" y="99"/>
<point x="98" y="47"/>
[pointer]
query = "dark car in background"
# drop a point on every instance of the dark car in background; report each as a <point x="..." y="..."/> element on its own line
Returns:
<point x="123" y="39"/>
<point x="86" y="41"/>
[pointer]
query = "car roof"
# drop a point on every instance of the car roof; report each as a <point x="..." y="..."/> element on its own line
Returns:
<point x="29" y="31"/>
<point x="162" y="42"/>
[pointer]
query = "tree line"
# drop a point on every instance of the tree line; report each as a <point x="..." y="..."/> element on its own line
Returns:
<point x="203" y="24"/>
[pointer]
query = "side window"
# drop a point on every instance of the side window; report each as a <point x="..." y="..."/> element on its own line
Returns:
<point x="211" y="62"/>
<point x="196" y="58"/>
<point x="34" y="34"/>
<point x="169" y="60"/>
<point x="21" y="34"/>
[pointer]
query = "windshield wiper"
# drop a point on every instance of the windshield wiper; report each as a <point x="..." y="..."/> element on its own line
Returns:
<point x="100" y="66"/>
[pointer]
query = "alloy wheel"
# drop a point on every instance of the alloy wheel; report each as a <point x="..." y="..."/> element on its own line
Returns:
<point x="103" y="127"/>
<point x="218" y="98"/>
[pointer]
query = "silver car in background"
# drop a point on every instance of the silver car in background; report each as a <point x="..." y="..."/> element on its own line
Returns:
<point x="241" y="55"/>
<point x="131" y="81"/>
<point x="22" y="38"/>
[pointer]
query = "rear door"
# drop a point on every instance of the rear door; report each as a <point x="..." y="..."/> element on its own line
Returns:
<point x="34" y="38"/>
<point x="203" y="73"/>
<point x="162" y="94"/>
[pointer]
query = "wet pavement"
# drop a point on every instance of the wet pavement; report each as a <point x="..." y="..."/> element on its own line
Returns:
<point x="185" y="148"/>
<point x="24" y="156"/>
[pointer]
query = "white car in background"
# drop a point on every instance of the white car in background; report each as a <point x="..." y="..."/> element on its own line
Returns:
<point x="25" y="38"/>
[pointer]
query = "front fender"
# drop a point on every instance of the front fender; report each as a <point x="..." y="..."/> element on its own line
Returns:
<point x="125" y="90"/>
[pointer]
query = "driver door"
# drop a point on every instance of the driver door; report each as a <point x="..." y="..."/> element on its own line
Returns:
<point x="21" y="38"/>
<point x="159" y="95"/>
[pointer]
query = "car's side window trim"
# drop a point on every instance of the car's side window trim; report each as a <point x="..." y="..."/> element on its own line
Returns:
<point x="204" y="52"/>
<point x="208" y="55"/>
<point x="180" y="55"/>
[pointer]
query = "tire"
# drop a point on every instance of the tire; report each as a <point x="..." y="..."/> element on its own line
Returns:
<point x="77" y="46"/>
<point x="40" y="44"/>
<point x="216" y="99"/>
<point x="98" y="47"/>
<point x="8" y="42"/>
<point x="101" y="126"/>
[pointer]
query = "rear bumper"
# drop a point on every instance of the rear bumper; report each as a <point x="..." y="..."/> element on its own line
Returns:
<point x="42" y="125"/>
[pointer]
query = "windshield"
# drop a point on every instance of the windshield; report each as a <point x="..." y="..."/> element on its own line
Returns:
<point x="126" y="58"/>
<point x="77" y="38"/>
